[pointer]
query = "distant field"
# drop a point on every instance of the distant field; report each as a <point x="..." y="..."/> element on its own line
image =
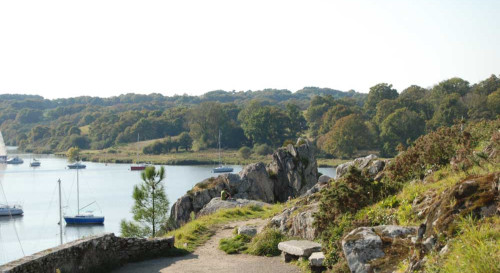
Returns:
<point x="128" y="154"/>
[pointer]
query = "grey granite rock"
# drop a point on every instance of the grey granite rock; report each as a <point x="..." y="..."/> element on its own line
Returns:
<point x="247" y="230"/>
<point x="361" y="246"/>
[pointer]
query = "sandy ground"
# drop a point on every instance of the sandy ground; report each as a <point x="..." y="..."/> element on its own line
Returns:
<point x="208" y="258"/>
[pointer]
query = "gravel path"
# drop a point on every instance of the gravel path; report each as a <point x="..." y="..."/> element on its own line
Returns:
<point x="208" y="258"/>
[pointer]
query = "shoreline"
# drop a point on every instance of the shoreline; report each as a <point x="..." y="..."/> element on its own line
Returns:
<point x="205" y="157"/>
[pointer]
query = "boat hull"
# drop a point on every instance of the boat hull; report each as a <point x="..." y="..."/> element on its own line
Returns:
<point x="137" y="168"/>
<point x="222" y="170"/>
<point x="84" y="220"/>
<point x="11" y="211"/>
<point x="15" y="161"/>
<point x="76" y="166"/>
<point x="35" y="164"/>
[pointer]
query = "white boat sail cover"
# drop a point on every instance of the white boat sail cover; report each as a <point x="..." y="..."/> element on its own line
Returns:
<point x="3" y="150"/>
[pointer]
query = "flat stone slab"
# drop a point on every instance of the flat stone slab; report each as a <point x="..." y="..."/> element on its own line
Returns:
<point x="316" y="259"/>
<point x="302" y="248"/>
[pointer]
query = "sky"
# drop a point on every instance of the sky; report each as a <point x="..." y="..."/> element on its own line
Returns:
<point x="61" y="49"/>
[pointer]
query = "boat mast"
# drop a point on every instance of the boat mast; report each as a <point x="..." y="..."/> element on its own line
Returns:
<point x="220" y="161"/>
<point x="137" y="150"/>
<point x="60" y="213"/>
<point x="77" y="191"/>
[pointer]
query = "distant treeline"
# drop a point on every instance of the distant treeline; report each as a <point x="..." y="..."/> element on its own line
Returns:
<point x="342" y="123"/>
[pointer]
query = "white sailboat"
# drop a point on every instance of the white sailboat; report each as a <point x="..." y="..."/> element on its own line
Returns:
<point x="221" y="168"/>
<point x="86" y="218"/>
<point x="138" y="166"/>
<point x="3" y="150"/>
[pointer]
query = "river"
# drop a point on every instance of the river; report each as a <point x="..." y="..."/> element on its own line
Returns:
<point x="108" y="185"/>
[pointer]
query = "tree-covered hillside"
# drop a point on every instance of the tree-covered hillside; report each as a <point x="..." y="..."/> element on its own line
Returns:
<point x="343" y="124"/>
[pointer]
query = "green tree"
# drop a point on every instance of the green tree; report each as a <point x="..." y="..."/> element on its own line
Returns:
<point x="494" y="102"/>
<point x="264" y="124"/>
<point x="297" y="122"/>
<point x="381" y="91"/>
<point x="400" y="127"/>
<point x="73" y="154"/>
<point x="205" y="120"/>
<point x="185" y="141"/>
<point x="150" y="205"/>
<point x="335" y="113"/>
<point x="348" y="135"/>
<point x="448" y="112"/>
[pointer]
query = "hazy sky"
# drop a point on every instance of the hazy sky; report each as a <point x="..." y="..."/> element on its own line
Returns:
<point x="104" y="48"/>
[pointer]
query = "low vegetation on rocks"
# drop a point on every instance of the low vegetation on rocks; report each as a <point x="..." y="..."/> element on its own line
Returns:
<point x="445" y="177"/>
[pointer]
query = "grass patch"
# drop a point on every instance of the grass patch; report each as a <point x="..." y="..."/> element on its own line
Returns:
<point x="266" y="243"/>
<point x="235" y="245"/>
<point x="303" y="264"/>
<point x="197" y="232"/>
<point x="475" y="249"/>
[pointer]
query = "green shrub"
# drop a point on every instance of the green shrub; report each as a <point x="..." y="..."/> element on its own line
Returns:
<point x="262" y="149"/>
<point x="234" y="245"/>
<point x="245" y="152"/>
<point x="266" y="243"/>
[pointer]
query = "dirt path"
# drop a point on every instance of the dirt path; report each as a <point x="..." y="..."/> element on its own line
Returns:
<point x="208" y="258"/>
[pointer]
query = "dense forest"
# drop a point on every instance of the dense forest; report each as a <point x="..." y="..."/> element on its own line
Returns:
<point x="342" y="123"/>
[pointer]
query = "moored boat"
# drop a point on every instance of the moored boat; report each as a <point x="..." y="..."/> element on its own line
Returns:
<point x="35" y="163"/>
<point x="86" y="218"/>
<point x="77" y="165"/>
<point x="3" y="150"/>
<point x="221" y="168"/>
<point x="138" y="167"/>
<point x="15" y="160"/>
<point x="6" y="210"/>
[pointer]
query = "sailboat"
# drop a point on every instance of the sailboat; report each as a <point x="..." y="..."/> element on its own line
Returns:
<point x="7" y="210"/>
<point x="86" y="218"/>
<point x="221" y="168"/>
<point x="138" y="166"/>
<point x="35" y="163"/>
<point x="3" y="150"/>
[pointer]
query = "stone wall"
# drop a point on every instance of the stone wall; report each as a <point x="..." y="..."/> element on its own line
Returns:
<point x="100" y="253"/>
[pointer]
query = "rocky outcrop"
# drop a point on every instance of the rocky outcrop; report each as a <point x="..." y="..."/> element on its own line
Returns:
<point x="365" y="247"/>
<point x="294" y="170"/>
<point x="369" y="165"/>
<point x="297" y="221"/>
<point x="216" y="204"/>
<point x="477" y="196"/>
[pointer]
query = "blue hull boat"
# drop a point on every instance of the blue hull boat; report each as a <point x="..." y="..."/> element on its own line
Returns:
<point x="84" y="220"/>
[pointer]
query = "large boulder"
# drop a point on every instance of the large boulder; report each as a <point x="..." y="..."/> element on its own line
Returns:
<point x="253" y="182"/>
<point x="369" y="165"/>
<point x="377" y="249"/>
<point x="294" y="170"/>
<point x="196" y="199"/>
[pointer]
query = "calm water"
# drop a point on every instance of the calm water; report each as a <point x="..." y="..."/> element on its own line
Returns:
<point x="110" y="186"/>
